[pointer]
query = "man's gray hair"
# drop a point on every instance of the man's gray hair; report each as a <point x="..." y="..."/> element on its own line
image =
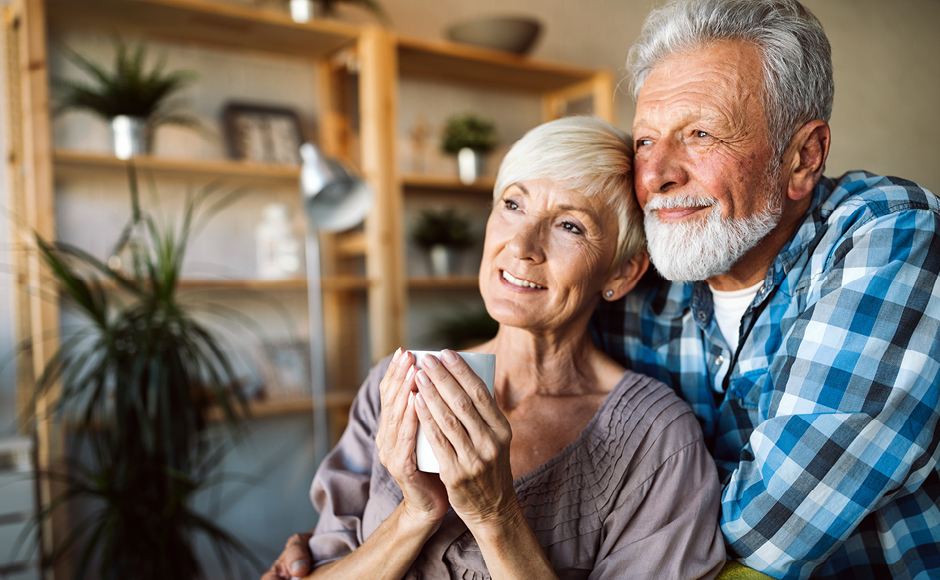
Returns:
<point x="797" y="61"/>
<point x="584" y="154"/>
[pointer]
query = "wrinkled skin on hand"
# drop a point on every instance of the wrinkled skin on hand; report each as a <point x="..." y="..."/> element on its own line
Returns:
<point x="471" y="440"/>
<point x="425" y="498"/>
<point x="294" y="561"/>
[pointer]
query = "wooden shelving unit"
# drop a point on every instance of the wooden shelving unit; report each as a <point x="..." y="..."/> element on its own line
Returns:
<point x="442" y="283"/>
<point x="329" y="284"/>
<point x="444" y="184"/>
<point x="267" y="408"/>
<point x="77" y="162"/>
<point x="207" y="24"/>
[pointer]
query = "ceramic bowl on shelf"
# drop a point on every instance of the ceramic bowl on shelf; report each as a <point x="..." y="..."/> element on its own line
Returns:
<point x="516" y="34"/>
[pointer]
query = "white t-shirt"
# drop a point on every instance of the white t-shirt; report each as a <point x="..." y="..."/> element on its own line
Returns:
<point x="729" y="308"/>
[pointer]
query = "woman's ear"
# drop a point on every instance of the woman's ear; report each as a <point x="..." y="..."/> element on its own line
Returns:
<point x="626" y="277"/>
<point x="807" y="158"/>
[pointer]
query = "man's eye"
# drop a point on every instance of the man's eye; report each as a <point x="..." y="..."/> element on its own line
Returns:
<point x="701" y="134"/>
<point x="642" y="142"/>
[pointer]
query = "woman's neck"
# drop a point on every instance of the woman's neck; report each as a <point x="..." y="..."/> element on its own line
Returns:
<point x="555" y="364"/>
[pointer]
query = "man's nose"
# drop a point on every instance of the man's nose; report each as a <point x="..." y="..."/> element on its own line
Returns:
<point x="660" y="167"/>
<point x="528" y="243"/>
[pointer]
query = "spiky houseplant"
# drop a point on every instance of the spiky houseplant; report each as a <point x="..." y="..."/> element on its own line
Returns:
<point x="444" y="228"/>
<point x="136" y="387"/>
<point x="469" y="130"/>
<point x="129" y="88"/>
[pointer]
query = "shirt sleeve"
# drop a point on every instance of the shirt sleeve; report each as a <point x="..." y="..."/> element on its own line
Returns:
<point x="341" y="486"/>
<point x="666" y="521"/>
<point x="849" y="420"/>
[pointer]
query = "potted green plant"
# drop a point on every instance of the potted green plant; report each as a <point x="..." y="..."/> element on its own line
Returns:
<point x="443" y="234"/>
<point x="306" y="10"/>
<point x="133" y="99"/>
<point x="136" y="386"/>
<point x="470" y="137"/>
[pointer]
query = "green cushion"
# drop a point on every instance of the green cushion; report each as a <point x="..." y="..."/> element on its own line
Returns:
<point x="736" y="571"/>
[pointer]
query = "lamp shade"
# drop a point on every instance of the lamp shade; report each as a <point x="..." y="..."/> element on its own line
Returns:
<point x="333" y="199"/>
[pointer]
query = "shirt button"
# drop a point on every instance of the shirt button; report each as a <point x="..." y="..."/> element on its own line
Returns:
<point x="701" y="315"/>
<point x="719" y="360"/>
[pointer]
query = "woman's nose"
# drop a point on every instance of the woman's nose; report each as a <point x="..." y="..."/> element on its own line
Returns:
<point x="527" y="243"/>
<point x="660" y="166"/>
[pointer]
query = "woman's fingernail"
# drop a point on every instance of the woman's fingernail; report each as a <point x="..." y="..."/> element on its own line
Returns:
<point x="430" y="361"/>
<point x="449" y="356"/>
<point x="419" y="401"/>
<point x="410" y="373"/>
<point x="423" y="379"/>
<point x="396" y="355"/>
<point x="402" y="359"/>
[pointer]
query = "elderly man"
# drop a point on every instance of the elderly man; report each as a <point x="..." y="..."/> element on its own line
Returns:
<point x="801" y="321"/>
<point x="801" y="314"/>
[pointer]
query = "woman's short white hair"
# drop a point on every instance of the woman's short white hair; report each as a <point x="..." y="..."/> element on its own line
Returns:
<point x="585" y="154"/>
<point x="797" y="60"/>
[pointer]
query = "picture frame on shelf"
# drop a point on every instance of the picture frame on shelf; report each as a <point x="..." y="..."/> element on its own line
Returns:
<point x="285" y="369"/>
<point x="262" y="133"/>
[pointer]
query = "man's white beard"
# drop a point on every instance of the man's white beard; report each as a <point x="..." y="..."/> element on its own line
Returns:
<point x="698" y="250"/>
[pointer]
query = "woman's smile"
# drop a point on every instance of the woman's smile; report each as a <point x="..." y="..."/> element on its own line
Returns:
<point x="519" y="284"/>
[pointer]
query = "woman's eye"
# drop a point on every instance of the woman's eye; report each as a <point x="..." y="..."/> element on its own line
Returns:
<point x="571" y="227"/>
<point x="510" y="204"/>
<point x="701" y="134"/>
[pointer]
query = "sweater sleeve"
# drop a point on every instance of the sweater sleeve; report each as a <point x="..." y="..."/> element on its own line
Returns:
<point x="341" y="487"/>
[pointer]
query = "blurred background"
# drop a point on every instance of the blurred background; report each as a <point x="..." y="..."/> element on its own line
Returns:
<point x="384" y="89"/>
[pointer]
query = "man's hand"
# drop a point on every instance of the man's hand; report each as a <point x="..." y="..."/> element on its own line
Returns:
<point x="294" y="561"/>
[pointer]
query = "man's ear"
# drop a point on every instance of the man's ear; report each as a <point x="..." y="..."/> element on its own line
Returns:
<point x="626" y="277"/>
<point x="806" y="158"/>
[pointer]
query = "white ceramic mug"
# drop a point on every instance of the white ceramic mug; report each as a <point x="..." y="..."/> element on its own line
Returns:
<point x="481" y="363"/>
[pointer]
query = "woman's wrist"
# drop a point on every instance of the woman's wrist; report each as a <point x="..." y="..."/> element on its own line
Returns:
<point x="416" y="522"/>
<point x="510" y="549"/>
<point x="508" y="526"/>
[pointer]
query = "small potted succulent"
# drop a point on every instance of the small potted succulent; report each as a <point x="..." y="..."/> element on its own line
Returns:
<point x="132" y="99"/>
<point x="469" y="137"/>
<point x="442" y="234"/>
<point x="306" y="10"/>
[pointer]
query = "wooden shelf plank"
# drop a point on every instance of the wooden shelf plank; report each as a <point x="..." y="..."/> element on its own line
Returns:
<point x="444" y="183"/>
<point x="282" y="407"/>
<point x="67" y="162"/>
<point x="206" y="23"/>
<point x="480" y="67"/>
<point x="446" y="283"/>
<point x="330" y="284"/>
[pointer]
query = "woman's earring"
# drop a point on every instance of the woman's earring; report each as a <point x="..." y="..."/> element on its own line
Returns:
<point x="609" y="293"/>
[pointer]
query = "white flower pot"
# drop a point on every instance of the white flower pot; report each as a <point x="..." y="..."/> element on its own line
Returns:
<point x="129" y="136"/>
<point x="470" y="164"/>
<point x="443" y="260"/>
<point x="302" y="10"/>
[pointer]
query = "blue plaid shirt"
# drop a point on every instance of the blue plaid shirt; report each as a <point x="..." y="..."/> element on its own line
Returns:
<point x="824" y="423"/>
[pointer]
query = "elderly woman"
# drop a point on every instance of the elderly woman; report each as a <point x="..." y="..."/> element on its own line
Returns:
<point x="577" y="468"/>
